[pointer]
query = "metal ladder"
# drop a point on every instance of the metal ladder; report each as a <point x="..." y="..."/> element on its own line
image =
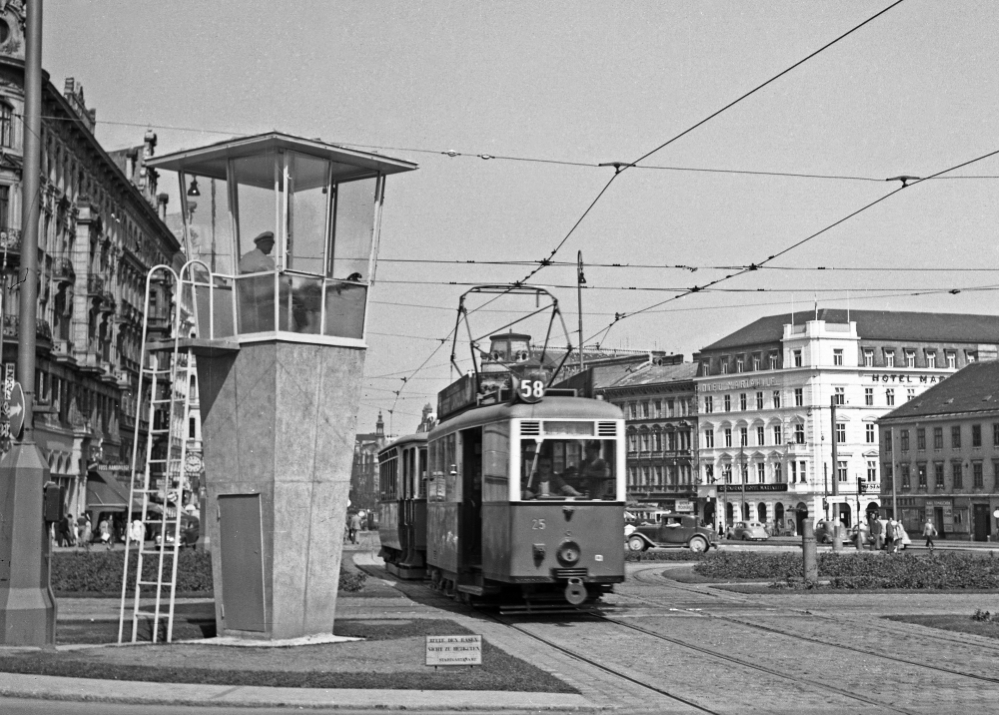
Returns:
<point x="163" y="367"/>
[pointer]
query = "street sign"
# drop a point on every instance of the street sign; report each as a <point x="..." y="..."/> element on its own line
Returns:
<point x="454" y="650"/>
<point x="684" y="506"/>
<point x="15" y="409"/>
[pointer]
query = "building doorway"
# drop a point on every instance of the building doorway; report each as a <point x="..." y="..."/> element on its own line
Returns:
<point x="761" y="513"/>
<point x="779" y="517"/>
<point x="982" y="523"/>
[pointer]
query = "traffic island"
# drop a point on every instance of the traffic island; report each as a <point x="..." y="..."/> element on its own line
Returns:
<point x="383" y="654"/>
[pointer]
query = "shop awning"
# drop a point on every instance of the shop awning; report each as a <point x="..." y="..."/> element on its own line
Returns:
<point x="104" y="493"/>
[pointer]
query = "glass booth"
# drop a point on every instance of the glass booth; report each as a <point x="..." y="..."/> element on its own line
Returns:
<point x="285" y="231"/>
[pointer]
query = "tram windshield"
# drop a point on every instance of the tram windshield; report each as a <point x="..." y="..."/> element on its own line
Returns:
<point x="562" y="469"/>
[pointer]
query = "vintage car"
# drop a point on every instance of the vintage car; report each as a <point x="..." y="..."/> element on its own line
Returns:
<point x="672" y="531"/>
<point x="748" y="531"/>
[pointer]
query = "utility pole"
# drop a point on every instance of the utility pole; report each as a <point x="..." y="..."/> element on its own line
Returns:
<point x="580" y="282"/>
<point x="27" y="606"/>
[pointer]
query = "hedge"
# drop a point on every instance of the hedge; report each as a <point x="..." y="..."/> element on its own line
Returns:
<point x="99" y="572"/>
<point x="860" y="570"/>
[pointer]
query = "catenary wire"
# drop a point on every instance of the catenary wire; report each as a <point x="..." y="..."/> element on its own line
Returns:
<point x="620" y="316"/>
<point x="618" y="168"/>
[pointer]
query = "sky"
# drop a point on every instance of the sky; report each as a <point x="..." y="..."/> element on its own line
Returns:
<point x="509" y="108"/>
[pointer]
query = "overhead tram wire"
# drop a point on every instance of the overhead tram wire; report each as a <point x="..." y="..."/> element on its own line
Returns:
<point x="691" y="269"/>
<point x="618" y="169"/>
<point x="753" y="267"/>
<point x="501" y="157"/>
<point x="769" y="81"/>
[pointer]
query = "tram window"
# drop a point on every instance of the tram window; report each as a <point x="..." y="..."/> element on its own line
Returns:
<point x="496" y="462"/>
<point x="568" y="468"/>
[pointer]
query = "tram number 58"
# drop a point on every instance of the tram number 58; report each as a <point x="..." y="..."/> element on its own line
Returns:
<point x="532" y="390"/>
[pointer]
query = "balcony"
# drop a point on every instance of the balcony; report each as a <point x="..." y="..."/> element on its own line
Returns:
<point x="89" y="361"/>
<point x="10" y="241"/>
<point x="62" y="352"/>
<point x="108" y="303"/>
<point x="43" y="331"/>
<point x="63" y="272"/>
<point x="95" y="286"/>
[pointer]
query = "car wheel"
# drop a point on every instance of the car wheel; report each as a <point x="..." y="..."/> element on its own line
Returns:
<point x="745" y="538"/>
<point x="637" y="543"/>
<point x="698" y="544"/>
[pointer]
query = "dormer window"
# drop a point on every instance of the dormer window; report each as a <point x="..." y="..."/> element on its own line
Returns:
<point x="868" y="358"/>
<point x="931" y="359"/>
<point x="910" y="358"/>
<point x="724" y="366"/>
<point x="951" y="360"/>
<point x="739" y="364"/>
<point x="889" y="358"/>
<point x="774" y="361"/>
<point x="756" y="363"/>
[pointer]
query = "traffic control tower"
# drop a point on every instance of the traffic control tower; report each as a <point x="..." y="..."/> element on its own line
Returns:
<point x="283" y="236"/>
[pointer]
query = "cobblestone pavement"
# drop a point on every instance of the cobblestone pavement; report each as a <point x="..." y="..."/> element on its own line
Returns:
<point x="699" y="649"/>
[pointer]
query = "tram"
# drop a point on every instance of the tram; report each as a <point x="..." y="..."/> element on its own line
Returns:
<point x="402" y="505"/>
<point x="525" y="488"/>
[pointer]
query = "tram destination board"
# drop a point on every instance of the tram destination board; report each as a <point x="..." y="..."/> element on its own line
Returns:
<point x="454" y="650"/>
<point x="456" y="396"/>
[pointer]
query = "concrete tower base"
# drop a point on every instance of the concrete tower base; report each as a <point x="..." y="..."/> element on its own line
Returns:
<point x="278" y="422"/>
<point x="27" y="606"/>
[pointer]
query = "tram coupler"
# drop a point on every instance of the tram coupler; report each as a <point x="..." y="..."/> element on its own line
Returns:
<point x="575" y="591"/>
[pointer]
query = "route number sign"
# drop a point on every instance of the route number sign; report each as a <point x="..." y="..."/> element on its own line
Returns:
<point x="530" y="388"/>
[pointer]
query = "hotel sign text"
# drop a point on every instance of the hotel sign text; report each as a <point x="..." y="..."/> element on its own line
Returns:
<point x="907" y="379"/>
<point x="738" y="384"/>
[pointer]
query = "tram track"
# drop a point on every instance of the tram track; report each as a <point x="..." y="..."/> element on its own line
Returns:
<point x="942" y="637"/>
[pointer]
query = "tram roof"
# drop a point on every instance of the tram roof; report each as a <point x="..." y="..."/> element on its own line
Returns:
<point x="549" y="408"/>
<point x="415" y="438"/>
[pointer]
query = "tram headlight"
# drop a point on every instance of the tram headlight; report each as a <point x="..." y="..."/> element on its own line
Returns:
<point x="568" y="553"/>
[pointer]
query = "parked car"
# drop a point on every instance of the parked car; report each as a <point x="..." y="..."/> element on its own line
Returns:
<point x="672" y="531"/>
<point x="748" y="531"/>
<point x="190" y="531"/>
<point x="865" y="535"/>
<point x="824" y="532"/>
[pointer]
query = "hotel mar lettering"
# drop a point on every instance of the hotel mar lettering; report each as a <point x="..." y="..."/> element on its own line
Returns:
<point x="899" y="378"/>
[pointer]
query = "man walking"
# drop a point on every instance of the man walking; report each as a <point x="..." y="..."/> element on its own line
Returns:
<point x="877" y="534"/>
<point x="929" y="531"/>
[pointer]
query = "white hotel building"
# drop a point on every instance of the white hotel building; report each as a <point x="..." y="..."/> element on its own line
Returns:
<point x="765" y="397"/>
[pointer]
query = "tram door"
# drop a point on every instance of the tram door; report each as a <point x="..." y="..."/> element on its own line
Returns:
<point x="470" y="526"/>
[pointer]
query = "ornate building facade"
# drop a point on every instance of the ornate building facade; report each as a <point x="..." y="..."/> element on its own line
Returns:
<point x="100" y="231"/>
<point x="767" y="392"/>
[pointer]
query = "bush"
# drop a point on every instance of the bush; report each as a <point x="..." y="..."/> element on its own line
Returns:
<point x="99" y="573"/>
<point x="861" y="570"/>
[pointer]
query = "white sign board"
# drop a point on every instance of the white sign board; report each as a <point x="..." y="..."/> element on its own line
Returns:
<point x="684" y="507"/>
<point x="454" y="650"/>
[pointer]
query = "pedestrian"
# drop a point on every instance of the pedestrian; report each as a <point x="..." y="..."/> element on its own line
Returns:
<point x="929" y="531"/>
<point x="66" y="530"/>
<point x="87" y="532"/>
<point x="104" y="528"/>
<point x="137" y="531"/>
<point x="890" y="532"/>
<point x="877" y="534"/>
<point x="354" y="524"/>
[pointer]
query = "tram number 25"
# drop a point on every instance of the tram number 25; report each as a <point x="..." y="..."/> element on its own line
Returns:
<point x="532" y="390"/>
<point x="537" y="524"/>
